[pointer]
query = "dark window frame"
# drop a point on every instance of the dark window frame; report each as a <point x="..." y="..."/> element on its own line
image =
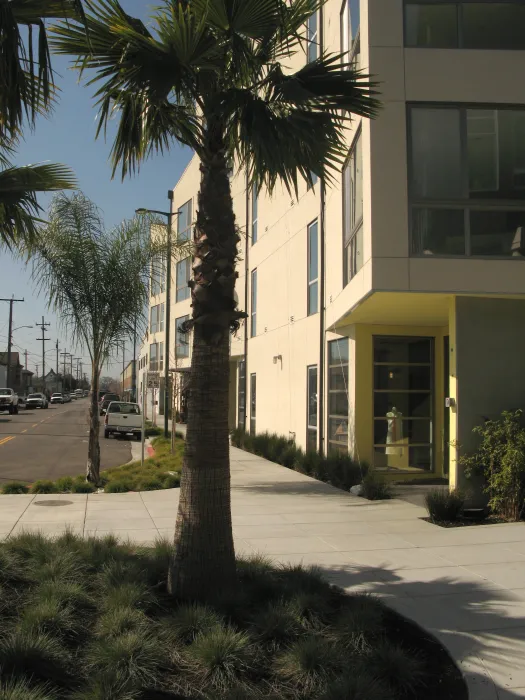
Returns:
<point x="253" y="303"/>
<point x="311" y="429"/>
<point x="350" y="240"/>
<point x="241" y="394"/>
<point x="184" y="234"/>
<point x="253" y="402"/>
<point x="464" y="204"/>
<point x="351" y="54"/>
<point x="182" y="291"/>
<point x="255" y="213"/>
<point x="178" y="338"/>
<point x="315" y="281"/>
<point x="333" y="445"/>
<point x="459" y="5"/>
<point x="315" y="40"/>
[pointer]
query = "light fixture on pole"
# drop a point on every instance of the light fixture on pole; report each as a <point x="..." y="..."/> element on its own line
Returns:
<point x="169" y="215"/>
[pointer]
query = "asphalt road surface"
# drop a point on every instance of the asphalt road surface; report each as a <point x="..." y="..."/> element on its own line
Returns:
<point x="48" y="443"/>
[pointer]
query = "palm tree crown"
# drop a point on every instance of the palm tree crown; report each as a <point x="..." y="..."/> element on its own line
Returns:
<point x="213" y="67"/>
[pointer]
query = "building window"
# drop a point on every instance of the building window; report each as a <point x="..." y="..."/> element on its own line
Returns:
<point x="315" y="180"/>
<point x="466" y="24"/>
<point x="353" y="212"/>
<point x="158" y="275"/>
<point x="313" y="268"/>
<point x="153" y="359"/>
<point x="161" y="357"/>
<point x="253" y="402"/>
<point x="350" y="35"/>
<point x="311" y="419"/>
<point x="467" y="181"/>
<point x="182" y="340"/>
<point x="255" y="214"/>
<point x="184" y="222"/>
<point x="312" y="37"/>
<point x="403" y="400"/>
<point x="241" y="396"/>
<point x="338" y="396"/>
<point x="156" y="318"/>
<point x="253" y="308"/>
<point x="183" y="272"/>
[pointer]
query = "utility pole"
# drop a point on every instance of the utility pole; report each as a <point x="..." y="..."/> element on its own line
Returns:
<point x="77" y="359"/>
<point x="123" y="365"/>
<point x="9" y="338"/>
<point x="57" y="364"/>
<point x="64" y="354"/>
<point x="42" y="327"/>
<point x="25" y="355"/>
<point x="134" y="396"/>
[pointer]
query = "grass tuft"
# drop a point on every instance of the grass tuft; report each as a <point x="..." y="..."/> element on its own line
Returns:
<point x="191" y="620"/>
<point x="222" y="655"/>
<point x="12" y="487"/>
<point x="358" y="686"/>
<point x="308" y="663"/>
<point x="133" y="656"/>
<point x="20" y="689"/>
<point x="43" y="486"/>
<point x="277" y="623"/>
<point x="83" y="487"/>
<point x="375" y="487"/>
<point x="121" y="485"/>
<point x="118" y="621"/>
<point x="360" y="623"/>
<point x="401" y="671"/>
<point x="34" y="654"/>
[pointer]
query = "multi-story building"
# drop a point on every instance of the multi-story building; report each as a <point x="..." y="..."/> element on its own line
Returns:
<point x="126" y="381"/>
<point x="386" y="310"/>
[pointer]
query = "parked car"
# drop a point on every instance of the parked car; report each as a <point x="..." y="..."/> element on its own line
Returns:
<point x="9" y="401"/>
<point x="86" y="393"/>
<point x="72" y="396"/>
<point x="123" y="418"/>
<point x="103" y="406"/>
<point x="57" y="398"/>
<point x="79" y="394"/>
<point x="37" y="401"/>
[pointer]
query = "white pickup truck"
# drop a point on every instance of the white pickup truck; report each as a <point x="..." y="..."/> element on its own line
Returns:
<point x="123" y="418"/>
<point x="8" y="401"/>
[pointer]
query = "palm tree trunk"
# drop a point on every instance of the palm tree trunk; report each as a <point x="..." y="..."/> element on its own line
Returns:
<point x="204" y="561"/>
<point x="93" y="460"/>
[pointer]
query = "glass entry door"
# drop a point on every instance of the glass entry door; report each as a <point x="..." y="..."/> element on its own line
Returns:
<point x="403" y="403"/>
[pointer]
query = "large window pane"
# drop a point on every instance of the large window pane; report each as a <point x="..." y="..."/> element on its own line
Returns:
<point x="438" y="232"/>
<point x="253" y="329"/>
<point x="436" y="153"/>
<point x="313" y="268"/>
<point x="338" y="403"/>
<point x="312" y="35"/>
<point x="496" y="25"/>
<point x="184" y="222"/>
<point x="432" y="26"/>
<point x="253" y="402"/>
<point x="338" y="351"/>
<point x="241" y="400"/>
<point x="312" y="397"/>
<point x="399" y="377"/>
<point x="183" y="273"/>
<point x="410" y="405"/>
<point x="496" y="152"/>
<point x="402" y="349"/>
<point x="338" y="430"/>
<point x="182" y="340"/>
<point x="413" y="431"/>
<point x="338" y="378"/>
<point x="497" y="233"/>
<point x="338" y="395"/>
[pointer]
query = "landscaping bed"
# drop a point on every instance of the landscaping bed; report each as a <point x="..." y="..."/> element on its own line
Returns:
<point x="160" y="471"/>
<point x="91" y="619"/>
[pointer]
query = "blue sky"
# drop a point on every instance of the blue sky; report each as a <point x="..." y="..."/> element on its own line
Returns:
<point x="68" y="136"/>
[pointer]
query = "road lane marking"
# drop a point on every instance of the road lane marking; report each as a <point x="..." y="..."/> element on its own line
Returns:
<point x="6" y="439"/>
<point x="24" y="431"/>
<point x="34" y="425"/>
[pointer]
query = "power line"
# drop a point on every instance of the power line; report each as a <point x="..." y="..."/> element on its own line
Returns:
<point x="42" y="327"/>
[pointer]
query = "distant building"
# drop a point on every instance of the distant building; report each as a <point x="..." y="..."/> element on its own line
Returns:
<point x="20" y="378"/>
<point x="126" y="382"/>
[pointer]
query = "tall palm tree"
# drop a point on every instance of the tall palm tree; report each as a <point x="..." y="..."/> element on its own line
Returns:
<point x="26" y="90"/>
<point x="211" y="74"/>
<point x="98" y="283"/>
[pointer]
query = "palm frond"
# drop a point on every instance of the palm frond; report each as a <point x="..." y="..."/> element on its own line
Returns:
<point x="26" y="77"/>
<point x="19" y="208"/>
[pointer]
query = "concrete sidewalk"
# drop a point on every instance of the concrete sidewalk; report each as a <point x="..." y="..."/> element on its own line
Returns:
<point x="465" y="585"/>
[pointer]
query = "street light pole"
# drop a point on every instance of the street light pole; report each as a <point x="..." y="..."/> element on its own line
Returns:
<point x="168" y="318"/>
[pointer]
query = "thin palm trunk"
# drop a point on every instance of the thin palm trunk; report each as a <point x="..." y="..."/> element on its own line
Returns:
<point x="204" y="560"/>
<point x="93" y="460"/>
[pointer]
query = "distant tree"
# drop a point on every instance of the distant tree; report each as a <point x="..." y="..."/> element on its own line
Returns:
<point x="97" y="281"/>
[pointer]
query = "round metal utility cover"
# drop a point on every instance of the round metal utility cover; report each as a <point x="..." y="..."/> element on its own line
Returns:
<point x="53" y="502"/>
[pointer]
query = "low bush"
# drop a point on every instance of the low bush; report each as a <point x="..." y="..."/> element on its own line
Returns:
<point x="91" y="619"/>
<point x="83" y="487"/>
<point x="375" y="487"/>
<point x="500" y="460"/>
<point x="121" y="485"/>
<point x="65" y="484"/>
<point x="43" y="486"/>
<point x="15" y="487"/>
<point x="339" y="470"/>
<point x="444" y="506"/>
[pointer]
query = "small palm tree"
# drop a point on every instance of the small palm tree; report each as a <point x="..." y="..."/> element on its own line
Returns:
<point x="98" y="283"/>
<point x="212" y="74"/>
<point x="26" y="90"/>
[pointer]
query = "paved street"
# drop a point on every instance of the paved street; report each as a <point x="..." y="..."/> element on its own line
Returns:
<point x="46" y="444"/>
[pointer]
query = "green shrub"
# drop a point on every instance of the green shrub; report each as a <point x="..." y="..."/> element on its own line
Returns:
<point x="119" y="485"/>
<point x="344" y="472"/>
<point x="289" y="456"/>
<point x="43" y="486"/>
<point x="358" y="686"/>
<point x="277" y="623"/>
<point x="15" y="487"/>
<point x="398" y="669"/>
<point x="149" y="483"/>
<point x="360" y="623"/>
<point x="34" y="654"/>
<point x="118" y="621"/>
<point x="83" y="487"/>
<point x="134" y="655"/>
<point x="20" y="689"/>
<point x="444" y="506"/>
<point x="170" y="481"/>
<point x="64" y="484"/>
<point x="375" y="487"/>
<point x="500" y="460"/>
<point x="191" y="620"/>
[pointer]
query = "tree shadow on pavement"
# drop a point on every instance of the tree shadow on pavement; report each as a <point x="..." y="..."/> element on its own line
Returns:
<point x="482" y="625"/>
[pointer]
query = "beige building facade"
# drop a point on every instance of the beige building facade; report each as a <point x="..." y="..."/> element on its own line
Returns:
<point x="386" y="310"/>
